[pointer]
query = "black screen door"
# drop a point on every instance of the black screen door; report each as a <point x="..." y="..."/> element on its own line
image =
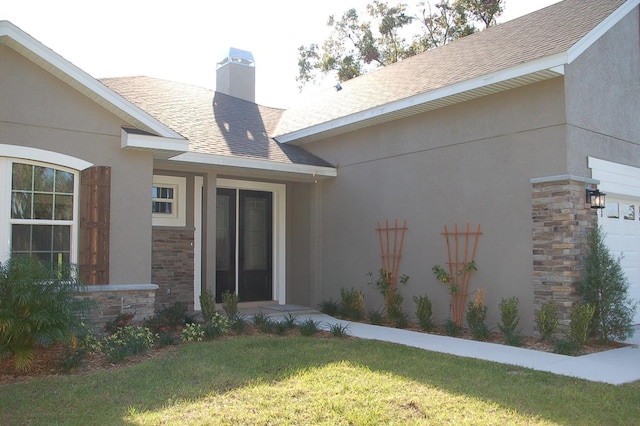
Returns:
<point x="244" y="251"/>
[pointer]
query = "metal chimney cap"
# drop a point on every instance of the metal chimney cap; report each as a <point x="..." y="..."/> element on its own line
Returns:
<point x="238" y="56"/>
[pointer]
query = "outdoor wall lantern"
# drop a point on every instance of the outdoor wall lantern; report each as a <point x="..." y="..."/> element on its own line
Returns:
<point x="596" y="199"/>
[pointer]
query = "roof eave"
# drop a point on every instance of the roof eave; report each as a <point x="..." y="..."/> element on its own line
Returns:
<point x="274" y="168"/>
<point x="46" y="58"/>
<point x="510" y="78"/>
<point x="162" y="147"/>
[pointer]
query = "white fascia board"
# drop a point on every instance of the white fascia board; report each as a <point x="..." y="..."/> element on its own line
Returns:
<point x="615" y="178"/>
<point x="554" y="63"/>
<point x="251" y="163"/>
<point x="592" y="36"/>
<point x="22" y="40"/>
<point x="138" y="141"/>
<point x="42" y="155"/>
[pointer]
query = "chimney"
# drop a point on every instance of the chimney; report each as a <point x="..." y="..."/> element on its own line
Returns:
<point x="236" y="75"/>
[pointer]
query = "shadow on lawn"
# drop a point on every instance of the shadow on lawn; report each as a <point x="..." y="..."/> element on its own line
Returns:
<point x="197" y="371"/>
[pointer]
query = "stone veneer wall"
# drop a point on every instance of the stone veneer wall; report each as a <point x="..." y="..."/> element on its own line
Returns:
<point x="112" y="300"/>
<point x="172" y="265"/>
<point x="561" y="222"/>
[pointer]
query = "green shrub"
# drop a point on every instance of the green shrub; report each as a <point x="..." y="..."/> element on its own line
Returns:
<point x="477" y="316"/>
<point x="72" y="359"/>
<point x="566" y="347"/>
<point x="339" y="330"/>
<point x="352" y="306"/>
<point x="400" y="320"/>
<point x="120" y="321"/>
<point x="329" y="307"/>
<point x="216" y="326"/>
<point x="309" y="327"/>
<point x="391" y="294"/>
<point x="86" y="339"/>
<point x="165" y="338"/>
<point x="193" y="333"/>
<point x="207" y="304"/>
<point x="264" y="322"/>
<point x="509" y="320"/>
<point x="290" y="320"/>
<point x="547" y="320"/>
<point x="424" y="312"/>
<point x="606" y="288"/>
<point x="37" y="306"/>
<point x="581" y="316"/>
<point x="376" y="317"/>
<point x="129" y="340"/>
<point x="230" y="303"/>
<point x="174" y="315"/>
<point x="238" y="324"/>
<point x="451" y="328"/>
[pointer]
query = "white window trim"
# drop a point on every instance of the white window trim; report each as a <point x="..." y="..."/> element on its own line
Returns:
<point x="178" y="216"/>
<point x="279" y="192"/>
<point x="5" y="216"/>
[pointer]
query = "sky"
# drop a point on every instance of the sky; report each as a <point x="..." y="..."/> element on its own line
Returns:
<point x="183" y="40"/>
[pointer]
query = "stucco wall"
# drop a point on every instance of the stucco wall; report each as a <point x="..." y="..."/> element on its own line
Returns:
<point x="468" y="163"/>
<point x="38" y="110"/>
<point x="603" y="99"/>
<point x="301" y="262"/>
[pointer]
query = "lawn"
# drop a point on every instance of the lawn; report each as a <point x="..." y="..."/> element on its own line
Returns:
<point x="269" y="379"/>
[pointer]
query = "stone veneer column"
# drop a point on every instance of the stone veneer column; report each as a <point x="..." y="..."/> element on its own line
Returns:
<point x="561" y="222"/>
<point x="172" y="267"/>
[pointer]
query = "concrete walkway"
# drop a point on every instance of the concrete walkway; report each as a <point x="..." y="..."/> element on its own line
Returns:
<point x="616" y="366"/>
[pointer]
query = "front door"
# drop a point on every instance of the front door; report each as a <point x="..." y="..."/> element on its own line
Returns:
<point x="244" y="244"/>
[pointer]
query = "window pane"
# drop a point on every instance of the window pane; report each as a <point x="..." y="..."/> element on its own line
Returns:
<point x="64" y="207"/>
<point x="21" y="205"/>
<point x="161" y="207"/>
<point x="43" y="179"/>
<point x="21" y="177"/>
<point x="255" y="234"/>
<point x="629" y="211"/>
<point x="43" y="206"/>
<point x="223" y="245"/>
<point x="612" y="211"/>
<point x="41" y="238"/>
<point x="64" y="182"/>
<point x="61" y="238"/>
<point x="21" y="238"/>
<point x="160" y="192"/>
<point x="166" y="193"/>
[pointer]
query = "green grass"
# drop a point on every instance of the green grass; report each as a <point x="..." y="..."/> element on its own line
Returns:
<point x="298" y="380"/>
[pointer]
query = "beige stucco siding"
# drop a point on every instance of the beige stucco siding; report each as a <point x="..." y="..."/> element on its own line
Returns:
<point x="469" y="163"/>
<point x="603" y="99"/>
<point x="39" y="110"/>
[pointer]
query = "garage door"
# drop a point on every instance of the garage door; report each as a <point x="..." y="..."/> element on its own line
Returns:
<point x="621" y="223"/>
<point x="621" y="217"/>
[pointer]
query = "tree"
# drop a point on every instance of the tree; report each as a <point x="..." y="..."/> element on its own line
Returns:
<point x="605" y="287"/>
<point x="357" y="45"/>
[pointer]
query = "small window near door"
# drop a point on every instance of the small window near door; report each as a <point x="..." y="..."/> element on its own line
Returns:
<point x="629" y="211"/>
<point x="168" y="200"/>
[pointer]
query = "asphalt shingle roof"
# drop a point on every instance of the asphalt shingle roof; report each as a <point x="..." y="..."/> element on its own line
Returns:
<point x="543" y="33"/>
<point x="214" y="123"/>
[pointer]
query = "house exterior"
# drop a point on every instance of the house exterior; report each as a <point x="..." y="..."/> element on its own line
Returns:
<point x="505" y="129"/>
